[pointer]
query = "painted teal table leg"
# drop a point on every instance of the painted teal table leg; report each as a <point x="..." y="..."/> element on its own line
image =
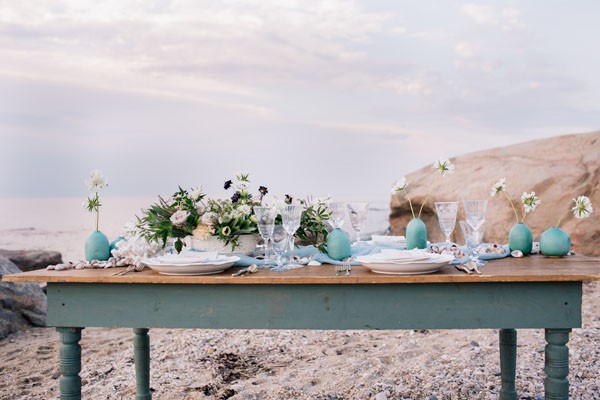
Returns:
<point x="508" y="363"/>
<point x="556" y="383"/>
<point x="141" y="347"/>
<point x="70" y="363"/>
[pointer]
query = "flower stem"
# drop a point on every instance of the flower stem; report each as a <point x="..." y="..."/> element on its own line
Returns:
<point x="561" y="218"/>
<point x="427" y="197"/>
<point x="512" y="205"/>
<point x="410" y="204"/>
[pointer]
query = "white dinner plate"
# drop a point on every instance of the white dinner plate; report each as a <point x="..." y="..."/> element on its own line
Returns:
<point x="410" y="268"/>
<point x="208" y="268"/>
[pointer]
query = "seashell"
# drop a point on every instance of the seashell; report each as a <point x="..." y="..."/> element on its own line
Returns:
<point x="60" y="267"/>
<point x="313" y="262"/>
<point x="517" y="253"/>
<point x="253" y="268"/>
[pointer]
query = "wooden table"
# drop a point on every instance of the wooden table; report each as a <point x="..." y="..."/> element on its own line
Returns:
<point x="531" y="292"/>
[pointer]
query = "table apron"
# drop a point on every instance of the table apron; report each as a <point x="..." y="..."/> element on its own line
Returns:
<point x="368" y="306"/>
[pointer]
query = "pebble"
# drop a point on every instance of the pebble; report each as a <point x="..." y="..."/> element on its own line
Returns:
<point x="380" y="396"/>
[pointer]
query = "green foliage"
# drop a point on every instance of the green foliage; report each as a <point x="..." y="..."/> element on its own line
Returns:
<point x="156" y="224"/>
<point x="313" y="227"/>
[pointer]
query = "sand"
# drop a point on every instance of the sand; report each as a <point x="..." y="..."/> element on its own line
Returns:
<point x="324" y="365"/>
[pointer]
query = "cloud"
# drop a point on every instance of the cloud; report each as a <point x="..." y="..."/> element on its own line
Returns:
<point x="465" y="49"/>
<point x="507" y="18"/>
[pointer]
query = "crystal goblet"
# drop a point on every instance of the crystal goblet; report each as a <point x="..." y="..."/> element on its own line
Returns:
<point x="290" y="217"/>
<point x="279" y="242"/>
<point x="358" y="217"/>
<point x="265" y="219"/>
<point x="473" y="237"/>
<point x="446" y="212"/>
<point x="475" y="212"/>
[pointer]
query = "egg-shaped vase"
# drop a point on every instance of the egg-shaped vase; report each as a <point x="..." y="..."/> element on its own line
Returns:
<point x="338" y="244"/>
<point x="555" y="242"/>
<point x="520" y="238"/>
<point x="97" y="247"/>
<point x="416" y="234"/>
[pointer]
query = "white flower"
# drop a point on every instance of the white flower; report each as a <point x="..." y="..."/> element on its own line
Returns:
<point x="179" y="217"/>
<point x="245" y="209"/>
<point x="209" y="218"/>
<point x="583" y="207"/>
<point x="399" y="185"/>
<point x="196" y="193"/>
<point x="530" y="201"/>
<point x="96" y="181"/>
<point x="498" y="187"/>
<point x="444" y="166"/>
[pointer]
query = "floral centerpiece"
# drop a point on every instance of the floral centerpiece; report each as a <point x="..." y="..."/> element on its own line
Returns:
<point x="416" y="232"/>
<point x="519" y="237"/>
<point x="190" y="213"/>
<point x="556" y="242"/>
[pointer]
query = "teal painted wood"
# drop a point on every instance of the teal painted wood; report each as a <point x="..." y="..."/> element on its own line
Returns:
<point x="141" y="347"/>
<point x="508" y="363"/>
<point x="520" y="238"/>
<point x="393" y="306"/>
<point x="70" y="363"/>
<point x="416" y="234"/>
<point x="556" y="367"/>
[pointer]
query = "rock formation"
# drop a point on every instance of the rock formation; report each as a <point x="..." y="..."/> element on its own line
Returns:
<point x="21" y="304"/>
<point x="557" y="169"/>
<point x="29" y="260"/>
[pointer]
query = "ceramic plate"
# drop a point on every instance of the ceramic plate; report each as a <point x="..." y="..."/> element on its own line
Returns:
<point x="207" y="268"/>
<point x="434" y="264"/>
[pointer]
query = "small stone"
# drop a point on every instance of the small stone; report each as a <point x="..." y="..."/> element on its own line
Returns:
<point x="380" y="396"/>
<point x="432" y="397"/>
<point x="474" y="343"/>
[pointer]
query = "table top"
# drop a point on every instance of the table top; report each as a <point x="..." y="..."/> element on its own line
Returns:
<point x="527" y="269"/>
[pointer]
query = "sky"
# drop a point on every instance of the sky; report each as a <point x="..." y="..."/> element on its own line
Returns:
<point x="329" y="97"/>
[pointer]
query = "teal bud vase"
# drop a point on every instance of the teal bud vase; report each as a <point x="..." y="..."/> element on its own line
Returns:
<point x="520" y="238"/>
<point x="555" y="242"/>
<point x="97" y="247"/>
<point x="416" y="234"/>
<point x="338" y="244"/>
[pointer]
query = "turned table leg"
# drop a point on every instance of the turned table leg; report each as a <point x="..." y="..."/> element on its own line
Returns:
<point x="141" y="347"/>
<point x="70" y="363"/>
<point x="556" y="383"/>
<point x="508" y="363"/>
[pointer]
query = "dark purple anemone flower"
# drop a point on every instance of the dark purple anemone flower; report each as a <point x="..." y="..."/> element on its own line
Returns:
<point x="263" y="190"/>
<point x="235" y="197"/>
<point x="228" y="184"/>
<point x="288" y="199"/>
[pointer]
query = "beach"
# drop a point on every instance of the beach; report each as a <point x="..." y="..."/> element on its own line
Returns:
<point x="270" y="364"/>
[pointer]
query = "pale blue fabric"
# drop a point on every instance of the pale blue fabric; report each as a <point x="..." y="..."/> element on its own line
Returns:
<point x="359" y="249"/>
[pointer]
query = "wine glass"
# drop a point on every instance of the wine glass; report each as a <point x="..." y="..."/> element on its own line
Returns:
<point x="336" y="214"/>
<point x="265" y="219"/>
<point x="290" y="216"/>
<point x="279" y="242"/>
<point x="473" y="238"/>
<point x="475" y="211"/>
<point x="358" y="217"/>
<point x="446" y="212"/>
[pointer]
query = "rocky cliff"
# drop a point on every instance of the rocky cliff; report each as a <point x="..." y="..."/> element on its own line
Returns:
<point x="558" y="169"/>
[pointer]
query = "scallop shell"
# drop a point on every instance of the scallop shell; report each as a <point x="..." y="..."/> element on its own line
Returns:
<point x="516" y="253"/>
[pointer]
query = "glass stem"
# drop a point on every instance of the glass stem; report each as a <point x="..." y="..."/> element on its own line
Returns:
<point x="291" y="245"/>
<point x="447" y="242"/>
<point x="357" y="236"/>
